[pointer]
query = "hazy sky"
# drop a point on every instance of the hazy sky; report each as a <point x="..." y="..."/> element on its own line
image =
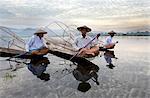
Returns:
<point x="101" y="15"/>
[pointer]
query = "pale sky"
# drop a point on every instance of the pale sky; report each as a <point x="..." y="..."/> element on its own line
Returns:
<point x="100" y="15"/>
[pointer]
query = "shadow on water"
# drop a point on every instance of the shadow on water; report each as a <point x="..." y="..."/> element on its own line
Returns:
<point x="82" y="72"/>
<point x="108" y="55"/>
<point x="85" y="73"/>
<point x="38" y="67"/>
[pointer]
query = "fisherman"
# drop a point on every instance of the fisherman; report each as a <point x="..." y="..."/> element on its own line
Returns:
<point x="108" y="43"/>
<point x="36" y="44"/>
<point x="83" y="40"/>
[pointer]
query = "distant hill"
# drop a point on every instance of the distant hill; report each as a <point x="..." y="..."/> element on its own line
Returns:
<point x="30" y="31"/>
<point x="24" y="32"/>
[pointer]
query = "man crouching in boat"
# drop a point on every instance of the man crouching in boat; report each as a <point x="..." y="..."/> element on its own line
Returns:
<point x="109" y="44"/>
<point x="36" y="44"/>
<point x="91" y="49"/>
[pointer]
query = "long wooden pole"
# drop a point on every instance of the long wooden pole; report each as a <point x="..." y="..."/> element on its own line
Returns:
<point x="83" y="47"/>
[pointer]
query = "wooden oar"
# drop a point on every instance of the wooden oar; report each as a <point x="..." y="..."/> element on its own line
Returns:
<point x="84" y="47"/>
<point x="19" y="55"/>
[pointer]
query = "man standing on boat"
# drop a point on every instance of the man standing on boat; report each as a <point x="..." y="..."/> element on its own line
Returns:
<point x="81" y="41"/>
<point x="36" y="44"/>
<point x="109" y="44"/>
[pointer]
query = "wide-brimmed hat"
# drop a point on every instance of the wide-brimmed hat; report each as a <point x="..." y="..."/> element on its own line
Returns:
<point x="111" y="32"/>
<point x="84" y="27"/>
<point x="40" y="31"/>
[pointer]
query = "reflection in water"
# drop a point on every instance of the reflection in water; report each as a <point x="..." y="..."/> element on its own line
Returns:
<point x="85" y="73"/>
<point x="38" y="66"/>
<point x="108" y="55"/>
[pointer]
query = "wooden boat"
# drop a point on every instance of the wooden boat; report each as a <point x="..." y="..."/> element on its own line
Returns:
<point x="5" y="52"/>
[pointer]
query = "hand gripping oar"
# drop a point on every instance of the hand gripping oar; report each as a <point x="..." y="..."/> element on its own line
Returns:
<point x="85" y="46"/>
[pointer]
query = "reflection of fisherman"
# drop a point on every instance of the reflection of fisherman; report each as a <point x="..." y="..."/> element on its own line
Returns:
<point x="38" y="66"/>
<point x="83" y="74"/>
<point x="36" y="44"/>
<point x="109" y="44"/>
<point x="108" y="55"/>
<point x="83" y="40"/>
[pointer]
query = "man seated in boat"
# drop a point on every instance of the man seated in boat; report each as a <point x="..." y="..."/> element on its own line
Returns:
<point x="79" y="44"/>
<point x="109" y="44"/>
<point x="36" y="44"/>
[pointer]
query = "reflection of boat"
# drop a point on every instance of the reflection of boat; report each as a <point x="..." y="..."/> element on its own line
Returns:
<point x="38" y="67"/>
<point x="85" y="73"/>
<point x="108" y="55"/>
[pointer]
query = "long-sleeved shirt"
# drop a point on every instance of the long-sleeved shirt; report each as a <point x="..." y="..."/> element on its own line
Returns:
<point x="35" y="43"/>
<point x="80" y="42"/>
<point x="108" y="40"/>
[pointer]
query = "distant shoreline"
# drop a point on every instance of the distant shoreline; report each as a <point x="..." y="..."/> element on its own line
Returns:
<point x="118" y="35"/>
<point x="127" y="35"/>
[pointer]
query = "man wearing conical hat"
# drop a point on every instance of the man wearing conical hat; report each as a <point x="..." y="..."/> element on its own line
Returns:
<point x="91" y="49"/>
<point x="36" y="44"/>
<point x="109" y="44"/>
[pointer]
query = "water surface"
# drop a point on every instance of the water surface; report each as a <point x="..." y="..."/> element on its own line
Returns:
<point x="130" y="78"/>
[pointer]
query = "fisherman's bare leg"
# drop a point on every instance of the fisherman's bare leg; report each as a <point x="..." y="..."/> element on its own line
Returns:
<point x="85" y="51"/>
<point x="42" y="51"/>
<point x="110" y="46"/>
<point x="94" y="51"/>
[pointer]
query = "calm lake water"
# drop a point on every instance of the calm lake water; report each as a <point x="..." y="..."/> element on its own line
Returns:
<point x="130" y="78"/>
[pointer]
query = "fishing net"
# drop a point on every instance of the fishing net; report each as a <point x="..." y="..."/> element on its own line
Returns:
<point x="61" y="36"/>
<point x="9" y="39"/>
